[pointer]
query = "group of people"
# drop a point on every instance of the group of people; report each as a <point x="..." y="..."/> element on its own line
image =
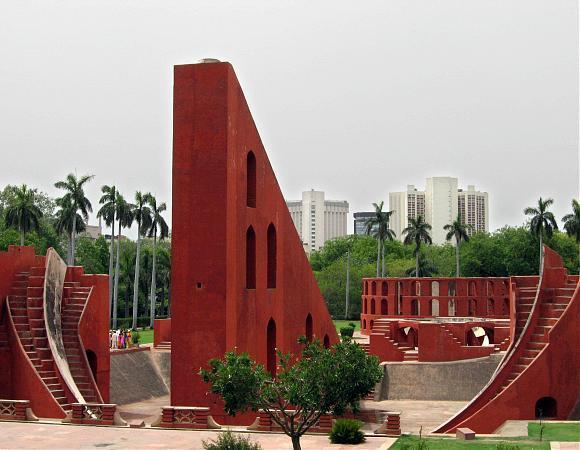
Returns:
<point x="119" y="339"/>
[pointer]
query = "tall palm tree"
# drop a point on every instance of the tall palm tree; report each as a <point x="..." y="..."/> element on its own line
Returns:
<point x="142" y="215"/>
<point x="107" y="212"/>
<point x="22" y="212"/>
<point x="65" y="217"/>
<point x="124" y="215"/>
<point x="426" y="268"/>
<point x="572" y="224"/>
<point x="416" y="233"/>
<point x="158" y="224"/>
<point x="74" y="190"/>
<point x="542" y="223"/>
<point x="459" y="231"/>
<point x="378" y="227"/>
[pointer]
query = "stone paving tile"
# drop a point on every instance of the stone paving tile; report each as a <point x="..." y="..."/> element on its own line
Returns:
<point x="15" y="435"/>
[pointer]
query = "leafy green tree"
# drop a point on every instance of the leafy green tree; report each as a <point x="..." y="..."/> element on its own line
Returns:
<point x="22" y="212"/>
<point x="44" y="202"/>
<point x="75" y="198"/>
<point x="321" y="381"/>
<point x="459" y="231"/>
<point x="416" y="233"/>
<point x="542" y="223"/>
<point x="378" y="227"/>
<point x="124" y="215"/>
<point x="572" y="224"/>
<point x="93" y="255"/>
<point x="426" y="268"/>
<point x="158" y="225"/>
<point x="70" y="222"/>
<point x="107" y="212"/>
<point x="142" y="215"/>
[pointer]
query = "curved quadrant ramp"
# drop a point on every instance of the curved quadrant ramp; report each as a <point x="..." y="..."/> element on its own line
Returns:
<point x="52" y="301"/>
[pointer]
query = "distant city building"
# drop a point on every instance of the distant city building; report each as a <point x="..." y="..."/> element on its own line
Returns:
<point x="440" y="203"/>
<point x="360" y="218"/>
<point x="317" y="220"/>
<point x="93" y="231"/>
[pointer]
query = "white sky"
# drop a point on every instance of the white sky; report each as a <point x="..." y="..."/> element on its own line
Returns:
<point x="353" y="98"/>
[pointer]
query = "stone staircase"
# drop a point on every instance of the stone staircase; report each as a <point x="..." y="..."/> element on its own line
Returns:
<point x="25" y="304"/>
<point x="74" y="300"/>
<point x="382" y="326"/>
<point x="164" y="345"/>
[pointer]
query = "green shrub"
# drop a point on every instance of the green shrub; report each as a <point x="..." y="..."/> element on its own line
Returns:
<point x="506" y="446"/>
<point x="230" y="441"/>
<point x="352" y="325"/>
<point x="135" y="337"/>
<point x="346" y="331"/>
<point x="347" y="431"/>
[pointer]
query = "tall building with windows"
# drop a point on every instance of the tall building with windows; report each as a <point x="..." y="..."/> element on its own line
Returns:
<point x="440" y="203"/>
<point x="360" y="219"/>
<point x="317" y="220"/>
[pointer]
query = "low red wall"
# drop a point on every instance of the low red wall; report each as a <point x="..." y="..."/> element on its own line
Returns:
<point x="161" y="331"/>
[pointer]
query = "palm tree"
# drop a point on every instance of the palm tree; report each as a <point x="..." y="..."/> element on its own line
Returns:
<point x="417" y="232"/>
<point x="107" y="212"/>
<point x="22" y="212"/>
<point x="158" y="224"/>
<point x="426" y="268"/>
<point x="458" y="230"/>
<point x="542" y="222"/>
<point x="124" y="215"/>
<point x="74" y="190"/>
<point x="142" y="215"/>
<point x="378" y="227"/>
<point x="572" y="224"/>
<point x="65" y="217"/>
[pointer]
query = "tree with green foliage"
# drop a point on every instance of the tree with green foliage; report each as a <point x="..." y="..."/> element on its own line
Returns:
<point x="378" y="227"/>
<point x="572" y="224"/>
<point x="158" y="225"/>
<point x="69" y="222"/>
<point x="542" y="223"/>
<point x="76" y="201"/>
<point x="416" y="233"/>
<point x="107" y="212"/>
<point x="459" y="231"/>
<point x="142" y="215"/>
<point x="425" y="268"/>
<point x="22" y="212"/>
<point x="93" y="255"/>
<point x="320" y="381"/>
<point x="124" y="215"/>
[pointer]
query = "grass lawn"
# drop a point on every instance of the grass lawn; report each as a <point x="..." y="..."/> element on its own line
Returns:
<point x="146" y="337"/>
<point x="567" y="432"/>
<point x="411" y="443"/>
<point x="344" y="323"/>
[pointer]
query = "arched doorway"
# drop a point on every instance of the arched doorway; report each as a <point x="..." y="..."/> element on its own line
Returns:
<point x="326" y="341"/>
<point x="384" y="306"/>
<point x="434" y="307"/>
<point x="271" y="348"/>
<point x="92" y="359"/>
<point x="309" y="327"/>
<point x="372" y="305"/>
<point x="415" y="307"/>
<point x="546" y="408"/>
<point x="272" y="259"/>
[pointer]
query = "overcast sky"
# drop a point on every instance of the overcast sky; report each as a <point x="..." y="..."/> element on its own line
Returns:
<point x="353" y="98"/>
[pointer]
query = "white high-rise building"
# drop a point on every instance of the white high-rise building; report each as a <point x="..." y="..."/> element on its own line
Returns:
<point x="440" y="203"/>
<point x="317" y="220"/>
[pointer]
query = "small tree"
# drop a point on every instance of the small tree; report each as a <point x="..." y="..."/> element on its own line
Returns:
<point x="321" y="381"/>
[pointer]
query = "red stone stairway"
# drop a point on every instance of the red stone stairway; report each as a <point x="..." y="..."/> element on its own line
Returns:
<point x="25" y="305"/>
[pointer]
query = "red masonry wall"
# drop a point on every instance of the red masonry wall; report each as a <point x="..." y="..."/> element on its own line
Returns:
<point x="238" y="266"/>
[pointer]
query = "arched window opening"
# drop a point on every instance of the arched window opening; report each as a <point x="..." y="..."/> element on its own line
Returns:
<point x="271" y="348"/>
<point x="451" y="288"/>
<point x="384" y="307"/>
<point x="475" y="337"/>
<point x="309" y="327"/>
<point x="414" y="307"/>
<point x="434" y="307"/>
<point x="251" y="180"/>
<point x="372" y="324"/>
<point x="250" y="259"/>
<point x="416" y="288"/>
<point x="365" y="305"/>
<point x="435" y="288"/>
<point x="364" y="324"/>
<point x="372" y="305"/>
<point x="546" y="408"/>
<point x="326" y="341"/>
<point x="374" y="288"/>
<point x="471" y="308"/>
<point x="451" y="308"/>
<point x="490" y="307"/>
<point x="506" y="306"/>
<point x="399" y="298"/>
<point x="489" y="288"/>
<point x="384" y="288"/>
<point x="92" y="359"/>
<point x="272" y="261"/>
<point x="471" y="288"/>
